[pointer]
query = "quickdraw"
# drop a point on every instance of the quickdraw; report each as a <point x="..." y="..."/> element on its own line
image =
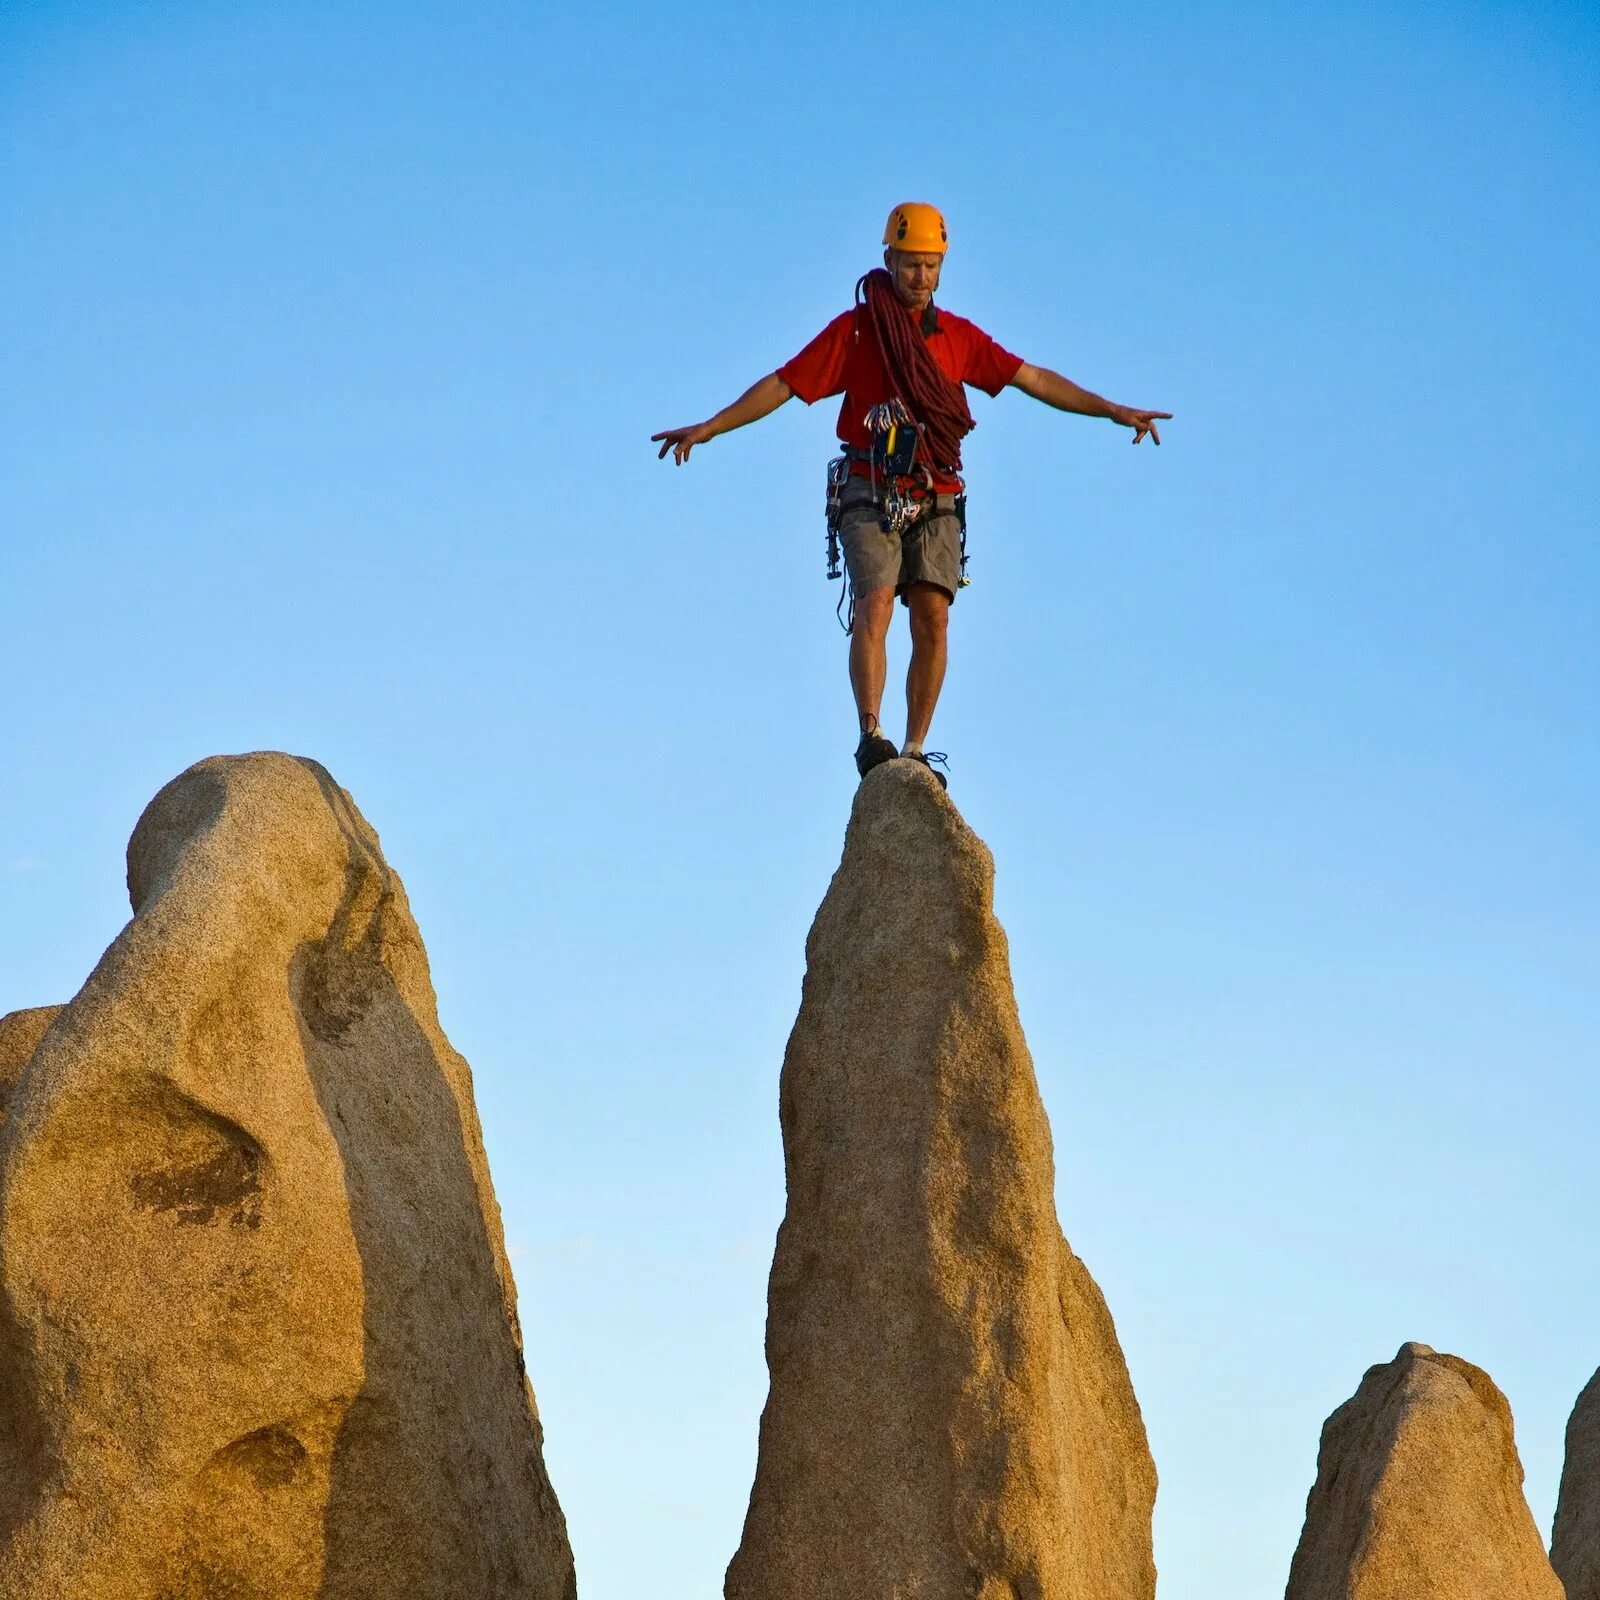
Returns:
<point x="838" y="477"/>
<point x="907" y="484"/>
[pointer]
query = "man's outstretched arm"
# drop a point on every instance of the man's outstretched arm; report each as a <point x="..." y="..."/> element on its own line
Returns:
<point x="1065" y="395"/>
<point x="761" y="399"/>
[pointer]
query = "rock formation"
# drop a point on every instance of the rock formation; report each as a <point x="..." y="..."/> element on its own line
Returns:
<point x="258" y="1338"/>
<point x="1575" y="1553"/>
<point x="1419" y="1493"/>
<point x="20" y="1034"/>
<point x="950" y="1416"/>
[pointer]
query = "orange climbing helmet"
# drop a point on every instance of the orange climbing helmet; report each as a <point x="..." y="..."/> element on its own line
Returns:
<point x="915" y="226"/>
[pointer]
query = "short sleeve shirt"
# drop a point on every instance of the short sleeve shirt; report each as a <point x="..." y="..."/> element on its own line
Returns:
<point x="844" y="359"/>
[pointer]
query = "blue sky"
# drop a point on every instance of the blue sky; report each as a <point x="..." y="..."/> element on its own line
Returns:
<point x="334" y="338"/>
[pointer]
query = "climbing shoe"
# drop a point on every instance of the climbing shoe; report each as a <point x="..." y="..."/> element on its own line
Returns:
<point x="927" y="758"/>
<point x="873" y="751"/>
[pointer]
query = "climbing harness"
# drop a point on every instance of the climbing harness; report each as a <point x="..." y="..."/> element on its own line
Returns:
<point x="898" y="508"/>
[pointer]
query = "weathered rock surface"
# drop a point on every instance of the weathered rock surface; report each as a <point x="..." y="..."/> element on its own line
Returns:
<point x="950" y="1416"/>
<point x="258" y="1338"/>
<point x="20" y="1033"/>
<point x="1575" y="1552"/>
<point x="1419" y="1493"/>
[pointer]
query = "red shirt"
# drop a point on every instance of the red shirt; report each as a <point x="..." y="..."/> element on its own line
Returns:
<point x="837" y="361"/>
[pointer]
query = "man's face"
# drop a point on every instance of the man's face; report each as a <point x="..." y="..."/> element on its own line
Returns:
<point x="915" y="274"/>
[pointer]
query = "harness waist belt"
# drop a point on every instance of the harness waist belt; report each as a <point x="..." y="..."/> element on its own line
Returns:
<point x="865" y="458"/>
<point x="943" y="500"/>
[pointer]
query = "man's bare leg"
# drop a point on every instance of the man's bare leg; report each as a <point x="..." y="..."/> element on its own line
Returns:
<point x="869" y="656"/>
<point x="930" y="624"/>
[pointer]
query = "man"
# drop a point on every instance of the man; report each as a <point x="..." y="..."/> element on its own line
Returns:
<point x="901" y="518"/>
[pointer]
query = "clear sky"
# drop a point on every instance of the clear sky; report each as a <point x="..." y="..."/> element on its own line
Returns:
<point x="332" y="339"/>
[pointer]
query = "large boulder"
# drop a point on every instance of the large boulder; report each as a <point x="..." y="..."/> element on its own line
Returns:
<point x="258" y="1337"/>
<point x="1419" y="1493"/>
<point x="950" y="1416"/>
<point x="1575" y="1552"/>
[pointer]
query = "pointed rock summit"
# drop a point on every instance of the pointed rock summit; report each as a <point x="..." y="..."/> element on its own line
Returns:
<point x="1575" y="1553"/>
<point x="950" y="1416"/>
<point x="1419" y="1493"/>
<point x="258" y="1338"/>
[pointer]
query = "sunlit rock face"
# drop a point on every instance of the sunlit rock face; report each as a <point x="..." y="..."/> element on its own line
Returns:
<point x="20" y="1033"/>
<point x="1419" y="1493"/>
<point x="950" y="1416"/>
<point x="258" y="1338"/>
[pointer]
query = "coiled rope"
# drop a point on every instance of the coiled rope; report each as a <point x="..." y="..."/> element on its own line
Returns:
<point x="936" y="402"/>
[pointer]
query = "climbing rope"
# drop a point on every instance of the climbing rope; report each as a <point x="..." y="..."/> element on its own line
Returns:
<point x="937" y="402"/>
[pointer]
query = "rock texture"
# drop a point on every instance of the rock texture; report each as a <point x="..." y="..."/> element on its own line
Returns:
<point x="1419" y="1493"/>
<point x="950" y="1416"/>
<point x="258" y="1338"/>
<point x="1575" y="1554"/>
<point x="20" y="1034"/>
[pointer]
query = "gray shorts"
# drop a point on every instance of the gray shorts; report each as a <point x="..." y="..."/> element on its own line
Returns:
<point x="929" y="551"/>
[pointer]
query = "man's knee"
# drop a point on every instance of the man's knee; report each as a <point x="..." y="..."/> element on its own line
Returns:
<point x="930" y="612"/>
<point x="874" y="608"/>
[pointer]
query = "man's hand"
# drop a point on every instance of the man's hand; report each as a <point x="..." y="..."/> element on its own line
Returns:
<point x="1142" y="422"/>
<point x="680" y="441"/>
<point x="763" y="396"/>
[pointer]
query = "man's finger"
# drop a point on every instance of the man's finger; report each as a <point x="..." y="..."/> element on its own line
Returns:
<point x="662" y="453"/>
<point x="1154" y="434"/>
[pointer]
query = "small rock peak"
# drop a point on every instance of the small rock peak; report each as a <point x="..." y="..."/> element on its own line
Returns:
<point x="902" y="774"/>
<point x="1415" y="1351"/>
<point x="1419" y="1492"/>
<point x="907" y="838"/>
<point x="283" y="811"/>
<point x="909" y="791"/>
